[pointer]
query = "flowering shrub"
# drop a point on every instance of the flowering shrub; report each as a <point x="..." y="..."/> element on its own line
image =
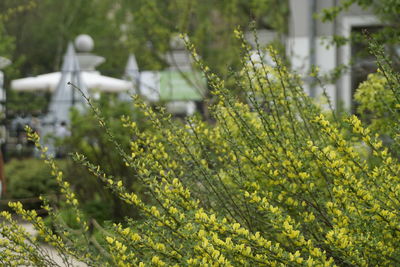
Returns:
<point x="272" y="182"/>
<point x="89" y="139"/>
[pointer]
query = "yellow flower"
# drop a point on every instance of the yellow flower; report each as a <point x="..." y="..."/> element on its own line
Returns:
<point x="110" y="239"/>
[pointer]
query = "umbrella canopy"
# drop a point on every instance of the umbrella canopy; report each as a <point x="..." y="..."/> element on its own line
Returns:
<point x="45" y="82"/>
<point x="89" y="78"/>
<point x="93" y="80"/>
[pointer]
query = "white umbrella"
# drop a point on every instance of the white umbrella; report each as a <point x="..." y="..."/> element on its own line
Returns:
<point x="91" y="79"/>
<point x="45" y="82"/>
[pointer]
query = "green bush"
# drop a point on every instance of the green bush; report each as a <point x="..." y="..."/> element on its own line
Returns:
<point x="270" y="182"/>
<point x="28" y="178"/>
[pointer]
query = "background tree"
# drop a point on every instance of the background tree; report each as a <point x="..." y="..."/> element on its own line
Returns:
<point x="144" y="27"/>
<point x="209" y="24"/>
<point x="41" y="33"/>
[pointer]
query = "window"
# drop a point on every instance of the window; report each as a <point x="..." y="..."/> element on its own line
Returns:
<point x="363" y="62"/>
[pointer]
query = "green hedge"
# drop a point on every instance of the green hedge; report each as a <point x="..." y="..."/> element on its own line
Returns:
<point x="28" y="178"/>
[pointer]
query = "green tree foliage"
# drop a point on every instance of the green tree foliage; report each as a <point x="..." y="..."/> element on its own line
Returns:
<point x="272" y="182"/>
<point x="42" y="32"/>
<point x="209" y="25"/>
<point x="142" y="26"/>
<point x="119" y="27"/>
<point x="7" y="39"/>
<point x="6" y="47"/>
<point x="38" y="33"/>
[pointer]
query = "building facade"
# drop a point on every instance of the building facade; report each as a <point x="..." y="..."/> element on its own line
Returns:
<point x="308" y="44"/>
